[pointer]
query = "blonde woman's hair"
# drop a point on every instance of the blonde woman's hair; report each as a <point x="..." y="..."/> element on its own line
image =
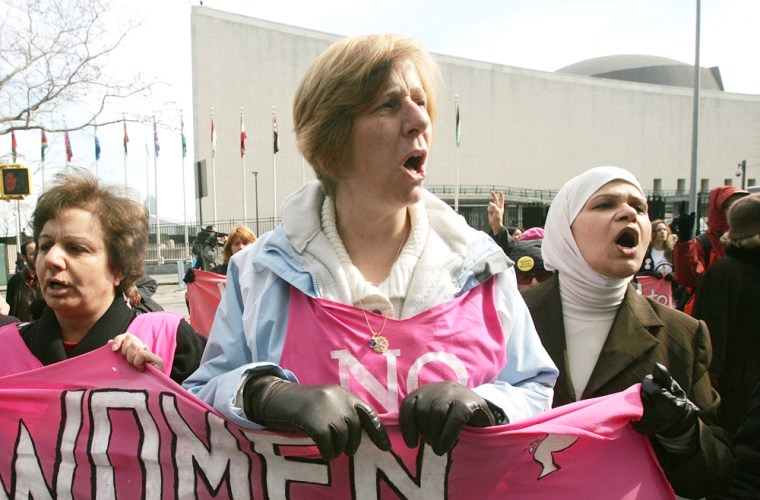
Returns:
<point x="669" y="243"/>
<point x="343" y="82"/>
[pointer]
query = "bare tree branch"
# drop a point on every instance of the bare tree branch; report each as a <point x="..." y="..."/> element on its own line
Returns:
<point x="52" y="59"/>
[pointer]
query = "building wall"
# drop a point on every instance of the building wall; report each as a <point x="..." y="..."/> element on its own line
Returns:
<point x="519" y="127"/>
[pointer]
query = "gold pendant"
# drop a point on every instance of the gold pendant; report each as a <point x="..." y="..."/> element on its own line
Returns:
<point x="378" y="343"/>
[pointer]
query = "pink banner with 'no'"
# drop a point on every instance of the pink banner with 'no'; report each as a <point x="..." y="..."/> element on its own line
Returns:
<point x="95" y="427"/>
<point x="203" y="297"/>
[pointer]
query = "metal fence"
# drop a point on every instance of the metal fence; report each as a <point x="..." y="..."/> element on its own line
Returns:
<point x="525" y="208"/>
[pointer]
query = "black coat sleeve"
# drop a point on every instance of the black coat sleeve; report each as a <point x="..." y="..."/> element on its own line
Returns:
<point x="746" y="483"/>
<point x="504" y="240"/>
<point x="187" y="357"/>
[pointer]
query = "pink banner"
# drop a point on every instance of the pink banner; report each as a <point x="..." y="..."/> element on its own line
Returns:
<point x="657" y="289"/>
<point x="94" y="427"/>
<point x="203" y="297"/>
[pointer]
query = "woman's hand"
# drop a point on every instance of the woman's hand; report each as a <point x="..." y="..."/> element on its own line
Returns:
<point x="330" y="415"/>
<point x="136" y="352"/>
<point x="438" y="412"/>
<point x="667" y="410"/>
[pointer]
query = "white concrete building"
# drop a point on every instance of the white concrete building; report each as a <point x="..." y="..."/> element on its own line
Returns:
<point x="519" y="127"/>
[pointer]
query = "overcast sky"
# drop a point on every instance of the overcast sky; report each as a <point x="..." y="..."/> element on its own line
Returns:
<point x="537" y="34"/>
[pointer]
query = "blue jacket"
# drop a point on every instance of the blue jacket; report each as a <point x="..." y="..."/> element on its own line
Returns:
<point x="250" y="325"/>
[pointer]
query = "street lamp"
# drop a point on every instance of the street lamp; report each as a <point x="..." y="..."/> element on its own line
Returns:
<point x="256" y="188"/>
<point x="741" y="171"/>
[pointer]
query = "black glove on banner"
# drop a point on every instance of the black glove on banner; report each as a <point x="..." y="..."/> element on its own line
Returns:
<point x="667" y="411"/>
<point x="685" y="226"/>
<point x="328" y="414"/>
<point x="439" y="411"/>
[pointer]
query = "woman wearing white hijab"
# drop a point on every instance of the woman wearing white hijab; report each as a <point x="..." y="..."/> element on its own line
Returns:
<point x="604" y="336"/>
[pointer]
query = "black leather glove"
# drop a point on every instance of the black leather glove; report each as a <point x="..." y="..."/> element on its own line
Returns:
<point x="440" y="410"/>
<point x="667" y="410"/>
<point x="189" y="276"/>
<point x="328" y="414"/>
<point x="685" y="226"/>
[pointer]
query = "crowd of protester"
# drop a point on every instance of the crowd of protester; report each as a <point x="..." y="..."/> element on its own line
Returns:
<point x="367" y="260"/>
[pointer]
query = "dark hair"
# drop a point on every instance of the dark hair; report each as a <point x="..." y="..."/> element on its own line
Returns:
<point x="124" y="220"/>
<point x="24" y="245"/>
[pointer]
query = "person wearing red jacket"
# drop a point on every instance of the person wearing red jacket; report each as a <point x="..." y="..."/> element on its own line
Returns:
<point x="693" y="256"/>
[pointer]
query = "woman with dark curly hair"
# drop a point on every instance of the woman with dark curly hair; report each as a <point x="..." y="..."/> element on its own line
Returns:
<point x="91" y="243"/>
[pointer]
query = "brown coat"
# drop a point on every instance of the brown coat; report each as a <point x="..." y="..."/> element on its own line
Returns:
<point x="644" y="333"/>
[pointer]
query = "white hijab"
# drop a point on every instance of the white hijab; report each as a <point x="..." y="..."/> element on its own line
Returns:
<point x="579" y="283"/>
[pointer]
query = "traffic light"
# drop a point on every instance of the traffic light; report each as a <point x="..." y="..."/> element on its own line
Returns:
<point x="15" y="181"/>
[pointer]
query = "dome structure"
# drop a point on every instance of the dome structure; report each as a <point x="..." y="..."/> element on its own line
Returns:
<point x="646" y="69"/>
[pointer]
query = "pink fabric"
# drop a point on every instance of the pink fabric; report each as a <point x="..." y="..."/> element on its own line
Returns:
<point x="203" y="297"/>
<point x="158" y="330"/>
<point x="14" y="355"/>
<point x="534" y="233"/>
<point x="94" y="427"/>
<point x="460" y="340"/>
<point x="656" y="289"/>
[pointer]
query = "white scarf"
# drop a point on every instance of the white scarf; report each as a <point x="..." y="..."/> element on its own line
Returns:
<point x="579" y="281"/>
<point x="589" y="300"/>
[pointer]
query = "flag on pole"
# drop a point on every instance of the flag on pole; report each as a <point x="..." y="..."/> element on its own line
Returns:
<point x="182" y="132"/>
<point x="14" y="145"/>
<point x="69" y="152"/>
<point x="43" y="145"/>
<point x="243" y="136"/>
<point x="126" y="137"/>
<point x="459" y="141"/>
<point x="213" y="139"/>
<point x="276" y="144"/>
<point x="97" y="147"/>
<point x="155" y="139"/>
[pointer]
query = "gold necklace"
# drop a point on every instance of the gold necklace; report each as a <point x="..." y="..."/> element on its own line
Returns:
<point x="378" y="342"/>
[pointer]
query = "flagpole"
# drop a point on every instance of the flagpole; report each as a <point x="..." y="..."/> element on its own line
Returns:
<point x="183" y="145"/>
<point x="456" y="172"/>
<point x="126" y="140"/>
<point x="147" y="176"/>
<point x="96" y="151"/>
<point x="159" y="259"/>
<point x="242" y="158"/>
<point x="213" y="161"/>
<point x="43" y="149"/>
<point x="274" y="163"/>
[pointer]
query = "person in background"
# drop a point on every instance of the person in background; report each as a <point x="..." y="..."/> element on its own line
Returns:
<point x="237" y="239"/>
<point x="91" y="245"/>
<point x="728" y="300"/>
<point x="515" y="233"/>
<point x="141" y="298"/>
<point x="529" y="264"/>
<point x="366" y="261"/>
<point x="746" y="483"/>
<point x="5" y="319"/>
<point x="23" y="287"/>
<point x="207" y="248"/>
<point x="499" y="233"/>
<point x="693" y="256"/>
<point x="605" y="337"/>
<point x="658" y="261"/>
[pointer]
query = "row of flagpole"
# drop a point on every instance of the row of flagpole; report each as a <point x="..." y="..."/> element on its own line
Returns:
<point x="243" y="137"/>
